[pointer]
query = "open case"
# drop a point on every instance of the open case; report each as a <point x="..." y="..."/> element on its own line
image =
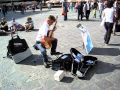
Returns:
<point x="81" y="64"/>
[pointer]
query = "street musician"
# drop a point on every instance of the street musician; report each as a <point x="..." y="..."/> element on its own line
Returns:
<point x="44" y="39"/>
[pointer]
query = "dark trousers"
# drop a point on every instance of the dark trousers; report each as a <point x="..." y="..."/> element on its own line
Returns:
<point x="43" y="49"/>
<point x="108" y="26"/>
<point x="87" y="14"/>
<point x="65" y="16"/>
<point x="54" y="45"/>
<point x="80" y="14"/>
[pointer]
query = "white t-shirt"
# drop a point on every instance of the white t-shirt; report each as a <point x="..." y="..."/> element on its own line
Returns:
<point x="109" y="13"/>
<point x="88" y="6"/>
<point x="100" y="6"/>
<point x="43" y="30"/>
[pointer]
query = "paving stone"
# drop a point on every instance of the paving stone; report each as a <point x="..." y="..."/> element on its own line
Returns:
<point x="7" y="84"/>
<point x="104" y="84"/>
<point x="91" y="87"/>
<point x="113" y="88"/>
<point x="60" y="88"/>
<point x="114" y="77"/>
<point x="32" y="85"/>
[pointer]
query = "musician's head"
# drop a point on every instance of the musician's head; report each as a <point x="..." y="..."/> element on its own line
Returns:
<point x="51" y="20"/>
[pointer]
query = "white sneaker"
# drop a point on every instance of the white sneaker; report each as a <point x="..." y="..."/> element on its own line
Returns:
<point x="106" y="44"/>
<point x="79" y="74"/>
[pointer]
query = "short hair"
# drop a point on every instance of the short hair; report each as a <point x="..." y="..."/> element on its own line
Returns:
<point x="109" y="4"/>
<point x="29" y="18"/>
<point x="51" y="17"/>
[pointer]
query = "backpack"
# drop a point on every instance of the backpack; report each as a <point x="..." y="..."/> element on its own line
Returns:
<point x="16" y="45"/>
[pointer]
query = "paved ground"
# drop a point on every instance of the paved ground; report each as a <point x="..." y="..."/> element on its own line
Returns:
<point x="27" y="76"/>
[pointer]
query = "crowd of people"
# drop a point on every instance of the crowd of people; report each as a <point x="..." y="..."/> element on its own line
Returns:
<point x="84" y="8"/>
<point x="22" y="7"/>
<point x="15" y="26"/>
<point x="109" y="12"/>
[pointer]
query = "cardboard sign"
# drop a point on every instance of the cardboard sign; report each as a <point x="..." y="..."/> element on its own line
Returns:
<point x="86" y="38"/>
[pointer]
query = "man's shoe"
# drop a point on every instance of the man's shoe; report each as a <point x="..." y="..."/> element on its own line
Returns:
<point x="55" y="53"/>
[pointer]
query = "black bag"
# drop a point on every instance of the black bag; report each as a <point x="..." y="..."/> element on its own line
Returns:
<point x="65" y="62"/>
<point x="18" y="49"/>
<point x="16" y="45"/>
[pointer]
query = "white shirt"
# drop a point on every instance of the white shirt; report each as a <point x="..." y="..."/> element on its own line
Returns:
<point x="108" y="12"/>
<point x="43" y="31"/>
<point x="88" y="6"/>
<point x="100" y="6"/>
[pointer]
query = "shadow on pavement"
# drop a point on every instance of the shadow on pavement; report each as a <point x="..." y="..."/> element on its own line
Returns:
<point x="33" y="60"/>
<point x="93" y="20"/>
<point x="101" y="68"/>
<point x="36" y="30"/>
<point x="105" y="51"/>
<point x="67" y="79"/>
<point x="72" y="19"/>
<point x="114" y="44"/>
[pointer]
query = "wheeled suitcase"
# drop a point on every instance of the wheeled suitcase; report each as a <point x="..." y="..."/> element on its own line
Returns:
<point x="18" y="49"/>
<point x="81" y="63"/>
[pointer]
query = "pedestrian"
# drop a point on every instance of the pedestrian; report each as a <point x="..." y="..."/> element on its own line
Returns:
<point x="80" y="10"/>
<point x="108" y="15"/>
<point x="87" y="10"/>
<point x="117" y="24"/>
<point x="4" y="10"/>
<point x="100" y="8"/>
<point x="49" y="5"/>
<point x="95" y="6"/>
<point x="65" y="9"/>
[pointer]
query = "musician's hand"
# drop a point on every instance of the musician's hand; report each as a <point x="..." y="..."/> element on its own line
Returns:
<point x="43" y="40"/>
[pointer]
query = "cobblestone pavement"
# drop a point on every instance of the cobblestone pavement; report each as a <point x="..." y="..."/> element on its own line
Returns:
<point x="27" y="76"/>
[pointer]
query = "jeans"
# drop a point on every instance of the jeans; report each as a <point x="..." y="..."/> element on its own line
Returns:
<point x="43" y="49"/>
<point x="108" y="26"/>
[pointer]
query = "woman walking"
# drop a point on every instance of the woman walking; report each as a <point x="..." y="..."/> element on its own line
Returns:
<point x="108" y="15"/>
